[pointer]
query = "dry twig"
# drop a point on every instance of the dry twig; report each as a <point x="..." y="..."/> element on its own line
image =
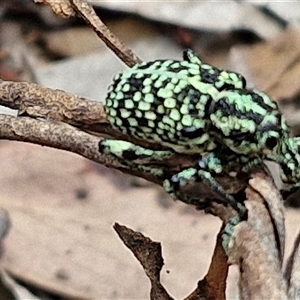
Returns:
<point x="82" y="8"/>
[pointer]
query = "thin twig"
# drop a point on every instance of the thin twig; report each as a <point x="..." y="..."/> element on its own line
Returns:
<point x="83" y="9"/>
<point x="62" y="136"/>
<point x="86" y="11"/>
<point x="33" y="100"/>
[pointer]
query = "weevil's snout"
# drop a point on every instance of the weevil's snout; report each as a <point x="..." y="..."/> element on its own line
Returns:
<point x="290" y="151"/>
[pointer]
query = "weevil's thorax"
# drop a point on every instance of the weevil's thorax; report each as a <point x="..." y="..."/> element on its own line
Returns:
<point x="248" y="122"/>
<point x="166" y="101"/>
<point x="220" y="79"/>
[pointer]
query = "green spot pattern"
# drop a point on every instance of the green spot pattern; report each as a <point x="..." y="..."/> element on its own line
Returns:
<point x="168" y="100"/>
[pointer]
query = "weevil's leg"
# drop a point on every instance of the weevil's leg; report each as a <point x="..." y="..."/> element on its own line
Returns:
<point x="135" y="157"/>
<point x="209" y="164"/>
<point x="173" y="185"/>
<point x="215" y="186"/>
<point x="129" y="151"/>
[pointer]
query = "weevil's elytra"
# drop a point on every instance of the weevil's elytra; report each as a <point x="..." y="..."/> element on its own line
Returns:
<point x="165" y="100"/>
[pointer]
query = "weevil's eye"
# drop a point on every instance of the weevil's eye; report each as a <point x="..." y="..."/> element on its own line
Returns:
<point x="271" y="142"/>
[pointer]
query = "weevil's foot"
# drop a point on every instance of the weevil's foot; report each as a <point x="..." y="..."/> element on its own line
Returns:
<point x="227" y="233"/>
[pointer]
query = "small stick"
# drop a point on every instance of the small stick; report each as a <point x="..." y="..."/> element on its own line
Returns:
<point x="67" y="8"/>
